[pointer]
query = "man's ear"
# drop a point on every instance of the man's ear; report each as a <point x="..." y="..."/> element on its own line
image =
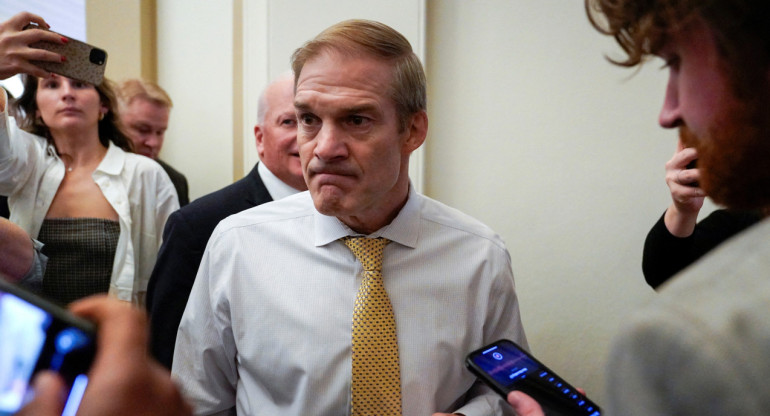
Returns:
<point x="259" y="136"/>
<point x="417" y="130"/>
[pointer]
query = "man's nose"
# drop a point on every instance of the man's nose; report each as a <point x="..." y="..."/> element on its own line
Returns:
<point x="670" y="113"/>
<point x="330" y="144"/>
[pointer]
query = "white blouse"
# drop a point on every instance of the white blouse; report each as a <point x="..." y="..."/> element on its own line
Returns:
<point x="136" y="187"/>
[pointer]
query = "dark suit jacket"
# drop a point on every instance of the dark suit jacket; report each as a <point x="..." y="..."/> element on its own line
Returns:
<point x="179" y="181"/>
<point x="184" y="239"/>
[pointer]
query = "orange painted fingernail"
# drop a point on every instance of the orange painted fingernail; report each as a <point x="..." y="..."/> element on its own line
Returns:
<point x="65" y="40"/>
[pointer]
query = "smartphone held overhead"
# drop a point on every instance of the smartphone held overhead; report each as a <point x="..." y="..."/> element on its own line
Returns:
<point x="83" y="62"/>
<point x="506" y="367"/>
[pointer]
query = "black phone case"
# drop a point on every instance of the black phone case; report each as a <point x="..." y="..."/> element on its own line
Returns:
<point x="76" y="362"/>
<point x="555" y="396"/>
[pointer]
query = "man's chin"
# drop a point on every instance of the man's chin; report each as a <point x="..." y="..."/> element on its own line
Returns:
<point x="328" y="200"/>
<point x="741" y="189"/>
<point x="733" y="162"/>
<point x="687" y="137"/>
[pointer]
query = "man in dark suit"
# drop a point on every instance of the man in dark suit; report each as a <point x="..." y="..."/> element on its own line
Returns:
<point x="179" y="181"/>
<point x="144" y="111"/>
<point x="188" y="230"/>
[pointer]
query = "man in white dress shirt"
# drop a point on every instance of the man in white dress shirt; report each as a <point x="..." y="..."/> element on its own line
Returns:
<point x="267" y="329"/>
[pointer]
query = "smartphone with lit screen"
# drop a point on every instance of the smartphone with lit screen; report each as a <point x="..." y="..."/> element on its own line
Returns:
<point x="506" y="367"/>
<point x="36" y="335"/>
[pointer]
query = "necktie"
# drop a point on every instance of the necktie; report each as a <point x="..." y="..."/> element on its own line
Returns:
<point x="376" y="386"/>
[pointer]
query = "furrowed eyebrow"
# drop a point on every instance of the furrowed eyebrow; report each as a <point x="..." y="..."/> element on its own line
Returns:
<point x="299" y="106"/>
<point x="359" y="109"/>
<point x="304" y="107"/>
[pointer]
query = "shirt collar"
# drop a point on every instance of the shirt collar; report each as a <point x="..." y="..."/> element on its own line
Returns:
<point x="404" y="229"/>
<point x="277" y="188"/>
<point x="113" y="161"/>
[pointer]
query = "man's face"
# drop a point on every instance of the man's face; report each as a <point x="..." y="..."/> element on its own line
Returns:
<point x="731" y="134"/>
<point x="146" y="123"/>
<point x="354" y="158"/>
<point x="277" y="135"/>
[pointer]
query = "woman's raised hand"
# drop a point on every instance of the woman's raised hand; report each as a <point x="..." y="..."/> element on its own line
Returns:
<point x="15" y="52"/>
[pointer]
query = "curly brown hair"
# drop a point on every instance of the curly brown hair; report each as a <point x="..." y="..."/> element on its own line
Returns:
<point x="742" y="27"/>
<point x="110" y="128"/>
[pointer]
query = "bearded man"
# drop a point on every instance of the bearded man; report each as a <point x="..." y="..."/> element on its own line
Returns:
<point x="701" y="347"/>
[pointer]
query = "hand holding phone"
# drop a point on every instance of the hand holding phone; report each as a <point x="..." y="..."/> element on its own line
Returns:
<point x="506" y="367"/>
<point x="38" y="335"/>
<point x="83" y="62"/>
<point x="15" y="53"/>
<point x="124" y="380"/>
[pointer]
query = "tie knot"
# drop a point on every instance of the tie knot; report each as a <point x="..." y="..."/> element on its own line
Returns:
<point x="367" y="250"/>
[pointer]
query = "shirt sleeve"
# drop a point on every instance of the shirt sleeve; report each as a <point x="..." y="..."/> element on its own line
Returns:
<point x="34" y="277"/>
<point x="666" y="255"/>
<point x="167" y="203"/>
<point x="501" y="321"/>
<point x="204" y="363"/>
<point x="17" y="154"/>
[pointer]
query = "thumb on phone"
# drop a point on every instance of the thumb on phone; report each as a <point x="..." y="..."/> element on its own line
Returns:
<point x="49" y="397"/>
<point x="524" y="405"/>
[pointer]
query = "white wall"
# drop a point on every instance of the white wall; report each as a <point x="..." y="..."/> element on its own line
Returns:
<point x="195" y="66"/>
<point x="535" y="133"/>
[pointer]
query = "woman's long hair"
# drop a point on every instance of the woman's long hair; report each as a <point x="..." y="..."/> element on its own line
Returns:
<point x="110" y="128"/>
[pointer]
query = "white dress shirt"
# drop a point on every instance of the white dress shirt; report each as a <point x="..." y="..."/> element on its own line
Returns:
<point x="267" y="329"/>
<point x="277" y="188"/>
<point x="136" y="187"/>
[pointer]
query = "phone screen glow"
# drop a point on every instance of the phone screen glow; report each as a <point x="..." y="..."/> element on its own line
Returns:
<point x="31" y="339"/>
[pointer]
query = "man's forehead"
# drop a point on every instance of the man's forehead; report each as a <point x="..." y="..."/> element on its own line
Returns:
<point x="360" y="81"/>
<point x="149" y="113"/>
<point x="147" y="104"/>
<point x="336" y="100"/>
<point x="361" y="67"/>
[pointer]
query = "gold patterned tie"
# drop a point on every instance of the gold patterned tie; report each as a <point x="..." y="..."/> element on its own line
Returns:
<point x="376" y="386"/>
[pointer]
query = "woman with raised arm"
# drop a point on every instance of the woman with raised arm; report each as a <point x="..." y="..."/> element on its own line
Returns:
<point x="73" y="182"/>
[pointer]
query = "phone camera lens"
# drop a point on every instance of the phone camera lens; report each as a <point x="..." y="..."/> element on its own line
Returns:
<point x="97" y="56"/>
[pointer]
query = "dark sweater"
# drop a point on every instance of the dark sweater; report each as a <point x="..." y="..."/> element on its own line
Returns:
<point x="665" y="254"/>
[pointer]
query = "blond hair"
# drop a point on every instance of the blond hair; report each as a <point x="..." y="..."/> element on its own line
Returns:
<point x="131" y="89"/>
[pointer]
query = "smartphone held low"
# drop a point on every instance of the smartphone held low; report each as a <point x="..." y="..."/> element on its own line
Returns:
<point x="38" y="335"/>
<point x="506" y="367"/>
